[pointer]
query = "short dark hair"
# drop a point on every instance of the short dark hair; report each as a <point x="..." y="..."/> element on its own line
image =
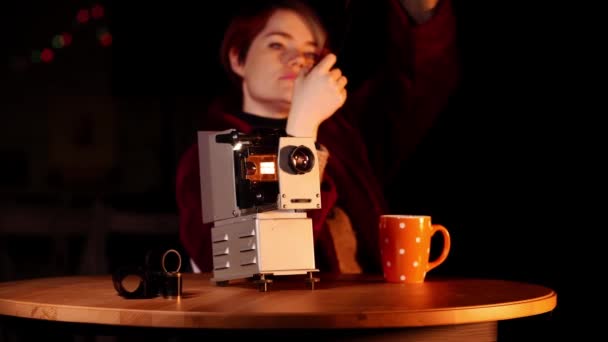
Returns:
<point x="251" y="20"/>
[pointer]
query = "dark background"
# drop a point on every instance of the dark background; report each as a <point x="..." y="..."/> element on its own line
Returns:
<point x="89" y="142"/>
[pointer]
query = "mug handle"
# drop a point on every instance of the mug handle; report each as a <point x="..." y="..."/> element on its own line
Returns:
<point x="446" y="246"/>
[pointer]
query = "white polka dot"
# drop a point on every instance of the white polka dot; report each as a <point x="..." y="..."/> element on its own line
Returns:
<point x="415" y="264"/>
<point x="401" y="225"/>
<point x="388" y="264"/>
<point x="401" y="251"/>
<point x="386" y="240"/>
<point x="428" y="250"/>
<point x="417" y="239"/>
<point x="402" y="278"/>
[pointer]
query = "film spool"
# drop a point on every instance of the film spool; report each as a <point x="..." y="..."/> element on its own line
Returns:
<point x="173" y="285"/>
<point x="177" y="263"/>
<point x="160" y="276"/>
<point x="119" y="277"/>
<point x="172" y="288"/>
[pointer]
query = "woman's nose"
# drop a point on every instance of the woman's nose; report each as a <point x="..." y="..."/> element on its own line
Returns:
<point x="294" y="57"/>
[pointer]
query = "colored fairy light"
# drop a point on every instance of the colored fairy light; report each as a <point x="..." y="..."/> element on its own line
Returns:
<point x="67" y="38"/>
<point x="61" y="40"/>
<point x="64" y="39"/>
<point x="35" y="56"/>
<point x="58" y="41"/>
<point x="104" y="36"/>
<point x="105" y="39"/>
<point x="97" y="11"/>
<point x="100" y="31"/>
<point x="46" y="55"/>
<point x="82" y="16"/>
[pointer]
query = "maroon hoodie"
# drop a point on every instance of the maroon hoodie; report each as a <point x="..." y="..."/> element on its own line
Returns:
<point x="386" y="117"/>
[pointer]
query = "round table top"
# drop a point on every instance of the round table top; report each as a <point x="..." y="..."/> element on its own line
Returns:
<point x="335" y="302"/>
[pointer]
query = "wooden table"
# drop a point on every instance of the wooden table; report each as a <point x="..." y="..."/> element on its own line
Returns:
<point x="346" y="306"/>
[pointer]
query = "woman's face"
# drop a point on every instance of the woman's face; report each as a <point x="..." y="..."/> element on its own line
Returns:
<point x="276" y="55"/>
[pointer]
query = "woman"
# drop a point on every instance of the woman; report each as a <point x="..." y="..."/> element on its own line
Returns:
<point x="286" y="79"/>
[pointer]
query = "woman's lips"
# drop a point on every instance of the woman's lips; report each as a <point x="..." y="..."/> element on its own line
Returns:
<point x="290" y="76"/>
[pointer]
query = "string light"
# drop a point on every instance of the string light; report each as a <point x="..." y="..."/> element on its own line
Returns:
<point x="97" y="11"/>
<point x="47" y="55"/>
<point x="104" y="36"/>
<point x="83" y="16"/>
<point x="62" y="40"/>
<point x="105" y="39"/>
<point x="67" y="39"/>
<point x="35" y="57"/>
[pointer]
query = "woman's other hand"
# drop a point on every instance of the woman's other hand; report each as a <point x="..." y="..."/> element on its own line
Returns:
<point x="318" y="93"/>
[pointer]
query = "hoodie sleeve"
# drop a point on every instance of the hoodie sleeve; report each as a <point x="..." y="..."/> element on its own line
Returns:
<point x="416" y="70"/>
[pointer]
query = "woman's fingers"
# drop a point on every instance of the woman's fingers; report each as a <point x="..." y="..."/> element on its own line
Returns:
<point x="326" y="63"/>
<point x="335" y="74"/>
<point x="342" y="81"/>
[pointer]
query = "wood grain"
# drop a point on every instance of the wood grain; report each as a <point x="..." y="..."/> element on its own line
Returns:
<point x="336" y="302"/>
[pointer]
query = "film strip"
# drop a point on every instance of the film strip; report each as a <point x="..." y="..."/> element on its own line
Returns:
<point x="160" y="276"/>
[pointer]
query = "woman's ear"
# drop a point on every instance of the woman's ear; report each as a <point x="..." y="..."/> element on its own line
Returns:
<point x="235" y="64"/>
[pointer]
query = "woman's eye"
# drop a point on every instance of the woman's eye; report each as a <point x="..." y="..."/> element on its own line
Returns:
<point x="275" y="45"/>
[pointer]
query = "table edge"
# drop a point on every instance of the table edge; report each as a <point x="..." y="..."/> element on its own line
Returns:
<point x="330" y="320"/>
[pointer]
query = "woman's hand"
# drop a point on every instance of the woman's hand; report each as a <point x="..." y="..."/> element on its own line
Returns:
<point x="317" y="95"/>
<point x="420" y="10"/>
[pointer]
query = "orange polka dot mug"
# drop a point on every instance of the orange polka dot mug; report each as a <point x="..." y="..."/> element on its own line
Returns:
<point x="405" y="246"/>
